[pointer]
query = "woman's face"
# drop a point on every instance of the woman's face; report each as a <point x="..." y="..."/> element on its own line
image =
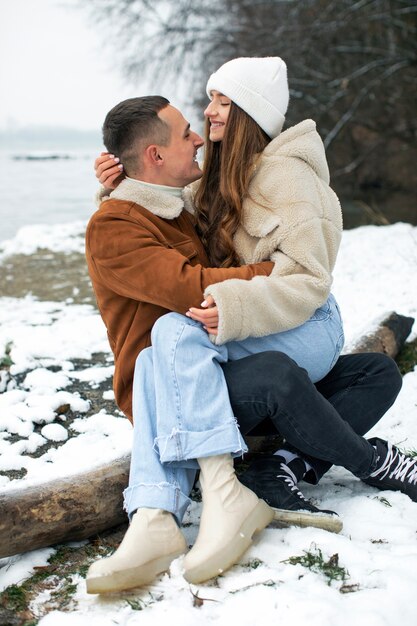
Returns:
<point x="217" y="113"/>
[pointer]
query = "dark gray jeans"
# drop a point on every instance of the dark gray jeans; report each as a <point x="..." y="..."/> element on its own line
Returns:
<point x="325" y="421"/>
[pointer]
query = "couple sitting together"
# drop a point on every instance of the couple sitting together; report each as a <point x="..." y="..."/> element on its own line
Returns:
<point x="214" y="287"/>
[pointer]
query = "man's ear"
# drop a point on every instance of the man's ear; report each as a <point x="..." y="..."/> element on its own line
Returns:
<point x="152" y="155"/>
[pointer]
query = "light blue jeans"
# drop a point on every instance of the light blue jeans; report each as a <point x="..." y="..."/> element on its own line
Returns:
<point x="181" y="406"/>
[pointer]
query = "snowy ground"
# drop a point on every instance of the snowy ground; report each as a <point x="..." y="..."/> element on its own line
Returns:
<point x="46" y="341"/>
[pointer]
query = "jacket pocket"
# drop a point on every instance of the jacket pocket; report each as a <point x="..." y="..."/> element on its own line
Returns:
<point x="186" y="248"/>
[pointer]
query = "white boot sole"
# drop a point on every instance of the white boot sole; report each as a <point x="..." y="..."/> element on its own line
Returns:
<point x="332" y="523"/>
<point x="130" y="578"/>
<point x="230" y="554"/>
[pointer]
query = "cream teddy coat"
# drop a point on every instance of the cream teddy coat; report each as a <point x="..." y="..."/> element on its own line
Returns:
<point x="292" y="217"/>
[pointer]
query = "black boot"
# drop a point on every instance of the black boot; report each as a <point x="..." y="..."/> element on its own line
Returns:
<point x="395" y="470"/>
<point x="275" y="481"/>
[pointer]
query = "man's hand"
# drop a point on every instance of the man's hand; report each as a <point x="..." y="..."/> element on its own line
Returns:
<point x="208" y="315"/>
<point x="108" y="170"/>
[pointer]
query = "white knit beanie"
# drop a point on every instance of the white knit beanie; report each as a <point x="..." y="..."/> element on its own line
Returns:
<point x="259" y="86"/>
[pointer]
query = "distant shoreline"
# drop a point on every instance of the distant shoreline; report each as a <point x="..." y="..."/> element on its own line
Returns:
<point x="50" y="138"/>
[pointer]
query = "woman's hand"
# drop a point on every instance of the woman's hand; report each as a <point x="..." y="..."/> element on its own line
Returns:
<point x="109" y="170"/>
<point x="208" y="315"/>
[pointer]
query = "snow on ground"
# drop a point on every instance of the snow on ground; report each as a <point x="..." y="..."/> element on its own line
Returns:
<point x="55" y="237"/>
<point x="38" y="336"/>
<point x="376" y="273"/>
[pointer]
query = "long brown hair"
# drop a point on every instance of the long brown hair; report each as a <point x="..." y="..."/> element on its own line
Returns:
<point x="228" y="167"/>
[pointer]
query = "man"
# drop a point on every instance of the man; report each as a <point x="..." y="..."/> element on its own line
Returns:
<point x="145" y="260"/>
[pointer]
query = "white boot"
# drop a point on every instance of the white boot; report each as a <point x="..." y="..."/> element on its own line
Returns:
<point x="231" y="514"/>
<point x="151" y="542"/>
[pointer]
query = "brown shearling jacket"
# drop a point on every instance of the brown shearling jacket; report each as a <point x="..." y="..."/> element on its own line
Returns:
<point x="143" y="263"/>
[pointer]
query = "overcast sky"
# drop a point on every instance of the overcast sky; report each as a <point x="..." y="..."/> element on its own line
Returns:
<point x="54" y="67"/>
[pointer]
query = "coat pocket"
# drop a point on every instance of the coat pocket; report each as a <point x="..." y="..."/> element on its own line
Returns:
<point x="185" y="247"/>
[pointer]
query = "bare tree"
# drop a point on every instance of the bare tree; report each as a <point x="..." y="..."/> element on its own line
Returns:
<point x="352" y="67"/>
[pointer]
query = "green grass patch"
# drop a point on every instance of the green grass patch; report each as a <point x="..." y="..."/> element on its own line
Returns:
<point x="62" y="555"/>
<point x="136" y="605"/>
<point x="410" y="452"/>
<point x="13" y="598"/>
<point x="383" y="501"/>
<point x="253" y="564"/>
<point x="6" y="360"/>
<point x="407" y="357"/>
<point x="316" y="562"/>
<point x="62" y="597"/>
<point x="57" y="578"/>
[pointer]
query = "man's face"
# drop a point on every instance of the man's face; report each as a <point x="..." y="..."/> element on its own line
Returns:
<point x="180" y="156"/>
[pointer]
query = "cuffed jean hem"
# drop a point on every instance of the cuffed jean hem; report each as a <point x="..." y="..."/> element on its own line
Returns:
<point x="183" y="445"/>
<point x="165" y="496"/>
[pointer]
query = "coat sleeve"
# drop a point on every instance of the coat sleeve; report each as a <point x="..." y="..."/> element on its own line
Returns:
<point x="299" y="283"/>
<point x="134" y="263"/>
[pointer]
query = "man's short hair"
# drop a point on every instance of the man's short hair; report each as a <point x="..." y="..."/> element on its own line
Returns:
<point x="131" y="126"/>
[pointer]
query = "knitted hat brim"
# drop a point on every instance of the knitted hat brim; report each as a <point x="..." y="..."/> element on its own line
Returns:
<point x="270" y="120"/>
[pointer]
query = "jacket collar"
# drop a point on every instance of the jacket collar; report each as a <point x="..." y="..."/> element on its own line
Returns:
<point x="303" y="142"/>
<point x="154" y="200"/>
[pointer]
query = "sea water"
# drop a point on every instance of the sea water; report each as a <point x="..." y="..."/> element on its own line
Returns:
<point x="49" y="186"/>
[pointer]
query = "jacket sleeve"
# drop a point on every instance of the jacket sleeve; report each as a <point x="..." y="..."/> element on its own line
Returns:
<point x="134" y="263"/>
<point x="299" y="283"/>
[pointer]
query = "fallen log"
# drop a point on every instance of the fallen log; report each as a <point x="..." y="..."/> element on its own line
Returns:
<point x="85" y="504"/>
<point x="67" y="509"/>
<point x="388" y="337"/>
